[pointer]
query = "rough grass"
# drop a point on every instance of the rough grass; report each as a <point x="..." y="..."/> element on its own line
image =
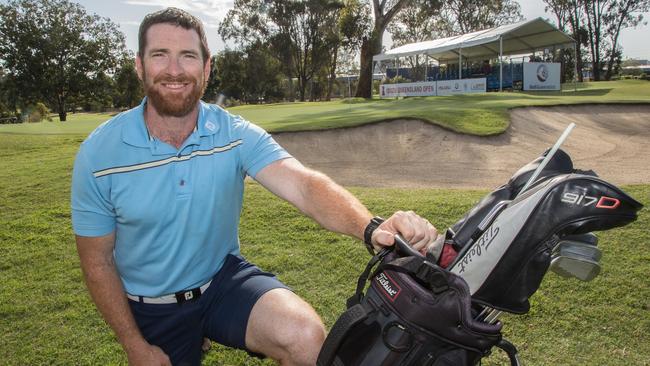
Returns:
<point x="47" y="318"/>
<point x="475" y="114"/>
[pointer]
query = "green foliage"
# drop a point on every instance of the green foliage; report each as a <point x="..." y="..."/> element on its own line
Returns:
<point x="128" y="91"/>
<point x="301" y="35"/>
<point x="251" y="76"/>
<point x="39" y="112"/>
<point x="47" y="317"/>
<point x="53" y="49"/>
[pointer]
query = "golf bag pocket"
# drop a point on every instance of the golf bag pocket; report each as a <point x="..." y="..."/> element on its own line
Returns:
<point x="413" y="313"/>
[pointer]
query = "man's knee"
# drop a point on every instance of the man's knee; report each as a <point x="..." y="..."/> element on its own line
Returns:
<point x="287" y="329"/>
<point x="302" y="342"/>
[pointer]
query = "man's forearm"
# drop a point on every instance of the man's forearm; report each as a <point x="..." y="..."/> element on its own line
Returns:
<point x="317" y="196"/>
<point x="333" y="207"/>
<point x="106" y="290"/>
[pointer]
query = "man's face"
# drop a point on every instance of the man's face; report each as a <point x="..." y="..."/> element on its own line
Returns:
<point x="172" y="70"/>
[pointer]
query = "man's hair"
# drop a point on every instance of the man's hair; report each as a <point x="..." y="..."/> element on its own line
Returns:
<point x="177" y="17"/>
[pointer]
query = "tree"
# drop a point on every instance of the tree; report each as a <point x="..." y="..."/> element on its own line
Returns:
<point x="594" y="11"/>
<point x="466" y="16"/>
<point x="569" y="14"/>
<point x="384" y="12"/>
<point x="417" y="24"/>
<point x="53" y="47"/>
<point x="230" y="71"/>
<point x="623" y="14"/>
<point x="296" y="32"/>
<point x="252" y="75"/>
<point x="128" y="89"/>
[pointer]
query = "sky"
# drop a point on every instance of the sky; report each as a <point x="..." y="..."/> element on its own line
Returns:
<point x="129" y="13"/>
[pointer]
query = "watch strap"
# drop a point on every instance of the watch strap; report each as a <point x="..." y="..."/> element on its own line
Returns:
<point x="367" y="233"/>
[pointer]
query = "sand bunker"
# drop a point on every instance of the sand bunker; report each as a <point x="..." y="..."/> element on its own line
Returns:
<point x="613" y="140"/>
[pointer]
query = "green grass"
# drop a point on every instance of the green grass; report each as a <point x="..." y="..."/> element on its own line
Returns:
<point x="47" y="317"/>
<point x="476" y="114"/>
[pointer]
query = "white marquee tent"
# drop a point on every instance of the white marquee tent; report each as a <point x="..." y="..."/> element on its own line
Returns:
<point x="524" y="37"/>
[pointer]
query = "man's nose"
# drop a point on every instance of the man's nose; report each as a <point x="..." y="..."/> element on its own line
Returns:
<point x="174" y="66"/>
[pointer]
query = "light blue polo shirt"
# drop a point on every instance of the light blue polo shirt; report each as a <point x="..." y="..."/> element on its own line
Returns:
<point x="175" y="212"/>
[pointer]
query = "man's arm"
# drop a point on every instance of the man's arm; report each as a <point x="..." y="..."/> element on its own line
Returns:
<point x="105" y="287"/>
<point x="336" y="209"/>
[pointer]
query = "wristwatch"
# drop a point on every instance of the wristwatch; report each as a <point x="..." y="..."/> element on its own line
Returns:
<point x="367" y="233"/>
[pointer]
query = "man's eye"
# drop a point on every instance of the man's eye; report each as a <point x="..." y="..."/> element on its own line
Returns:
<point x="190" y="55"/>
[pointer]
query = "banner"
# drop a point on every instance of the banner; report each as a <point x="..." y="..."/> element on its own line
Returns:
<point x="430" y="88"/>
<point x="541" y="76"/>
<point x="462" y="86"/>
<point x="423" y="89"/>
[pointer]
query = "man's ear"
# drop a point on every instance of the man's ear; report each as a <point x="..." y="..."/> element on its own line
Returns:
<point x="206" y="69"/>
<point x="139" y="67"/>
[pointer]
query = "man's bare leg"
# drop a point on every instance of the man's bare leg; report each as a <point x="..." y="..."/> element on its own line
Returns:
<point x="284" y="327"/>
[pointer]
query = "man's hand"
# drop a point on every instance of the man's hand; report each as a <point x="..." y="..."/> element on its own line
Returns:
<point x="147" y="355"/>
<point x="416" y="230"/>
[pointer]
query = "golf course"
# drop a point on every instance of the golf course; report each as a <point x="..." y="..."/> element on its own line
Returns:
<point x="436" y="156"/>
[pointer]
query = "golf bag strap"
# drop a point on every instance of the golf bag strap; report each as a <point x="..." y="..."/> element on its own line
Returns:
<point x="423" y="270"/>
<point x="348" y="319"/>
<point x="363" y="279"/>
<point x="510" y="350"/>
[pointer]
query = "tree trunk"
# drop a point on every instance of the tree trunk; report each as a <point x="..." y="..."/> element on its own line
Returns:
<point x="332" y="78"/>
<point x="61" y="107"/>
<point x="302" y="86"/>
<point x="369" y="48"/>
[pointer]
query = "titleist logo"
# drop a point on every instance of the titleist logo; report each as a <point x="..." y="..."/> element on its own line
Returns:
<point x="391" y="289"/>
<point x="481" y="245"/>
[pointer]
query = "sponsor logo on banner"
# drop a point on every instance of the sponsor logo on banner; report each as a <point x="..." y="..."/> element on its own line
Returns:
<point x="541" y="76"/>
<point x="542" y="73"/>
<point x="463" y="86"/>
<point x="442" y="87"/>
<point x="408" y="90"/>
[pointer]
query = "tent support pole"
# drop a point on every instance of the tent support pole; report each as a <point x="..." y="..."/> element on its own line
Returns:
<point x="501" y="63"/>
<point x="460" y="63"/>
<point x="426" y="67"/>
<point x="575" y="67"/>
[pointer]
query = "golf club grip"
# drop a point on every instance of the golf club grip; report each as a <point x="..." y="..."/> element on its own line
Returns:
<point x="405" y="248"/>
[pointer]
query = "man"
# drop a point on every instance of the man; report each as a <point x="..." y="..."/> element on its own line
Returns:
<point x="156" y="198"/>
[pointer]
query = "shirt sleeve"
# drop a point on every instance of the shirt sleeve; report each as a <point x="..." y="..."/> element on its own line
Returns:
<point x="259" y="149"/>
<point x="92" y="211"/>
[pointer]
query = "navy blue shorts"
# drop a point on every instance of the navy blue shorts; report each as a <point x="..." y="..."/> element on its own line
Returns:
<point x="220" y="314"/>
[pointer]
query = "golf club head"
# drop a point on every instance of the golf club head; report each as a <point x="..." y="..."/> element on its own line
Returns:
<point x="577" y="257"/>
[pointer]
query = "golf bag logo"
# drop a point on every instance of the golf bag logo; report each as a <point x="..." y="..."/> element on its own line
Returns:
<point x="481" y="245"/>
<point x="391" y="289"/>
<point x="581" y="199"/>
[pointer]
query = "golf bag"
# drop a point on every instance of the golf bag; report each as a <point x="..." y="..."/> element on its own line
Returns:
<point x="435" y="311"/>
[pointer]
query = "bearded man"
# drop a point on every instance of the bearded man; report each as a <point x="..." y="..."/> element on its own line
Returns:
<point x="156" y="199"/>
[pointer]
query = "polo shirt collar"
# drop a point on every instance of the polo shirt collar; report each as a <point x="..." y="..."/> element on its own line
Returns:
<point x="207" y="123"/>
<point x="135" y="132"/>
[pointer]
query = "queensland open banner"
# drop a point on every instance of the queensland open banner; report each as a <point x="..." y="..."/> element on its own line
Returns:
<point x="423" y="89"/>
<point x="541" y="76"/>
<point x="432" y="88"/>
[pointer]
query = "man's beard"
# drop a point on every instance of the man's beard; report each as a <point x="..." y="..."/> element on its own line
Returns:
<point x="170" y="104"/>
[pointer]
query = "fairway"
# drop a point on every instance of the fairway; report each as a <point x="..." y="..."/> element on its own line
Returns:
<point x="474" y="114"/>
<point x="47" y="317"/>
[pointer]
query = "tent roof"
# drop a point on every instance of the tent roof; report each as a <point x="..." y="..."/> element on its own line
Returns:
<point x="518" y="38"/>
